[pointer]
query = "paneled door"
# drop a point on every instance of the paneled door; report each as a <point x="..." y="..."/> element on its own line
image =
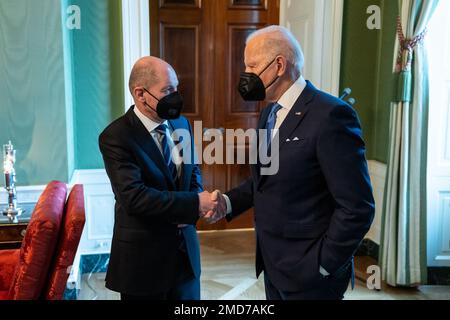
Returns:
<point x="204" y="40"/>
<point x="317" y="25"/>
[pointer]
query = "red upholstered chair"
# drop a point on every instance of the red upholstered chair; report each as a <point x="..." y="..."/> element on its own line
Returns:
<point x="71" y="229"/>
<point x="23" y="272"/>
<point x="8" y="262"/>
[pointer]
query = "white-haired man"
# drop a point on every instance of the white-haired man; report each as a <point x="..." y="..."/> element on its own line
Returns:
<point x="311" y="216"/>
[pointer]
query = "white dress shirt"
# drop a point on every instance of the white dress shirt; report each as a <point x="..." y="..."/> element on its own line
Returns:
<point x="288" y="99"/>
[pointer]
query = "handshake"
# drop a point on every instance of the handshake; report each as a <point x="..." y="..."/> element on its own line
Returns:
<point x="212" y="207"/>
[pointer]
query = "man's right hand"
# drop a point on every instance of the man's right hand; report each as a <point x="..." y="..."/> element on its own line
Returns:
<point x="208" y="203"/>
<point x="221" y="211"/>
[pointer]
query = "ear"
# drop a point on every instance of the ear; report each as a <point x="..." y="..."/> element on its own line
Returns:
<point x="281" y="65"/>
<point x="139" y="94"/>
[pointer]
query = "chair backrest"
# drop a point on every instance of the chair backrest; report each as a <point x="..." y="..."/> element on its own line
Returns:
<point x="38" y="245"/>
<point x="70" y="235"/>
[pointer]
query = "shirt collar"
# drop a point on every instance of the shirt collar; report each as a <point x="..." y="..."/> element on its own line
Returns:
<point x="148" y="123"/>
<point x="289" y="98"/>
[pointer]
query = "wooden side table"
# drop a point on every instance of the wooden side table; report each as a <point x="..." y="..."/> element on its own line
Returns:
<point x="12" y="234"/>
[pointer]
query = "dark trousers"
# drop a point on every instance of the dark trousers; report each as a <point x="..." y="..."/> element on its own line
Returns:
<point x="328" y="288"/>
<point x="186" y="287"/>
<point x="188" y="290"/>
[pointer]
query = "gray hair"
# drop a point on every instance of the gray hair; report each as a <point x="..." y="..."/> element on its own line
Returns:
<point x="280" y="40"/>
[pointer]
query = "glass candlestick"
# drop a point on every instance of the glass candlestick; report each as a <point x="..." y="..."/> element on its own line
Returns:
<point x="9" y="158"/>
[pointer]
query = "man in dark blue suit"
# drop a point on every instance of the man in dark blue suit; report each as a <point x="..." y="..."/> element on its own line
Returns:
<point x="155" y="250"/>
<point x="313" y="213"/>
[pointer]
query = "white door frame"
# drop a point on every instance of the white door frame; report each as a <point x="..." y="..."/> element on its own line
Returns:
<point x="328" y="19"/>
<point x="136" y="38"/>
<point x="438" y="171"/>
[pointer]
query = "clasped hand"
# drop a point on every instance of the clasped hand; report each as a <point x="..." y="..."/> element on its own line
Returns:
<point x="212" y="206"/>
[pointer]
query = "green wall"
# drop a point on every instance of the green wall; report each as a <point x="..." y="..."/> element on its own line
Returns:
<point x="32" y="89"/>
<point x="367" y="58"/>
<point x="58" y="87"/>
<point x="97" y="76"/>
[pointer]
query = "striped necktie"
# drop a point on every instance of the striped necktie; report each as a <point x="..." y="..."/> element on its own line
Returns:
<point x="163" y="130"/>
<point x="271" y="121"/>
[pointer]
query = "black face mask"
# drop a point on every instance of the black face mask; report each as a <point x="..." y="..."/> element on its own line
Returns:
<point x="251" y="87"/>
<point x="169" y="107"/>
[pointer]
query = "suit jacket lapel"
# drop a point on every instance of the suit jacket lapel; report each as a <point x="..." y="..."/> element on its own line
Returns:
<point x="292" y="121"/>
<point x="146" y="142"/>
<point x="297" y="113"/>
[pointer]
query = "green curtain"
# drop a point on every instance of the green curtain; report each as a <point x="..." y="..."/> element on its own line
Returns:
<point x="403" y="235"/>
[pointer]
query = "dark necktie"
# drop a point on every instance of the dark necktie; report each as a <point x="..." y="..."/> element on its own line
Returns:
<point x="163" y="130"/>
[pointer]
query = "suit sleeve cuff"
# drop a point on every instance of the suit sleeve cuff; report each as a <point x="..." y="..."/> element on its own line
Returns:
<point x="228" y="202"/>
<point x="229" y="215"/>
